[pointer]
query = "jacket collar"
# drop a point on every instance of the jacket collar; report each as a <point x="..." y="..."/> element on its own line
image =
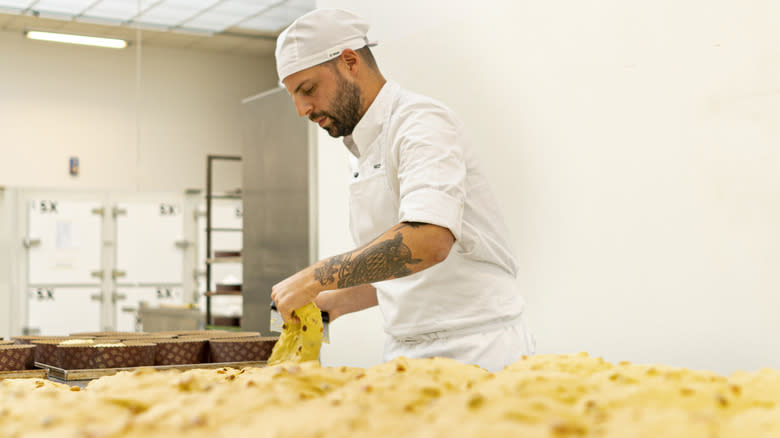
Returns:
<point x="370" y="125"/>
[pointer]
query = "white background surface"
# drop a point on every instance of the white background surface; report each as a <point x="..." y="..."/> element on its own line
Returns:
<point x="635" y="149"/>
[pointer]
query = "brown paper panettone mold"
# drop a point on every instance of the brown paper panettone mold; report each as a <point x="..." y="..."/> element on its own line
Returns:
<point x="144" y="337"/>
<point x="205" y="352"/>
<point x="206" y="355"/>
<point x="241" y="349"/>
<point x="74" y="357"/>
<point x="149" y="340"/>
<point x="179" y="351"/>
<point x="46" y="350"/>
<point x="16" y="357"/>
<point x="216" y="334"/>
<point x="77" y="357"/>
<point x="124" y="355"/>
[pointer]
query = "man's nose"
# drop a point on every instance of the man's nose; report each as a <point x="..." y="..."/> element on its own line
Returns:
<point x="304" y="108"/>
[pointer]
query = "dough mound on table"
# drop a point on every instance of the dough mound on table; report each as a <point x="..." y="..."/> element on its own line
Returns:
<point x="551" y="396"/>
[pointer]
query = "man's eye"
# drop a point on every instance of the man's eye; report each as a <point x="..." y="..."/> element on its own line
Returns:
<point x="308" y="91"/>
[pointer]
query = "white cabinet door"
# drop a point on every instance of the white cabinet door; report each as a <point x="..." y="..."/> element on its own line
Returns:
<point x="130" y="299"/>
<point x="61" y="311"/>
<point x="67" y="242"/>
<point x="147" y="234"/>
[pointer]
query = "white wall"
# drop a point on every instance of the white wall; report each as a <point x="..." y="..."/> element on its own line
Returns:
<point x="58" y="101"/>
<point x="635" y="148"/>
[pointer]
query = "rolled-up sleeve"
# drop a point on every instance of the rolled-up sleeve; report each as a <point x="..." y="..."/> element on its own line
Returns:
<point x="431" y="168"/>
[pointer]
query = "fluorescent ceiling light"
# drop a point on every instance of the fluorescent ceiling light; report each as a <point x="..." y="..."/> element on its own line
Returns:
<point x="76" y="39"/>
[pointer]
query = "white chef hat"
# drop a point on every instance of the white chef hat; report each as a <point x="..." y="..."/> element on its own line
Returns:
<point x="318" y="36"/>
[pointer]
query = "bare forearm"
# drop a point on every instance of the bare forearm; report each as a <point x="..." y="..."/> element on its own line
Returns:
<point x="342" y="301"/>
<point x="403" y="250"/>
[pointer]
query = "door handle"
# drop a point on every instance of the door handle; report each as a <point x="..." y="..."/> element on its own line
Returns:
<point x="28" y="242"/>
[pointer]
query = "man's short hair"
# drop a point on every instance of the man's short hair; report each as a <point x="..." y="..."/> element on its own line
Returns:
<point x="368" y="57"/>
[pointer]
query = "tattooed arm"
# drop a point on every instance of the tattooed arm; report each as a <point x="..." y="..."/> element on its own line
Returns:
<point x="405" y="249"/>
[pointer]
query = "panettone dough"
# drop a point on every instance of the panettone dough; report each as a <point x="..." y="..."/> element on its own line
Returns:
<point x="300" y="340"/>
<point x="551" y="396"/>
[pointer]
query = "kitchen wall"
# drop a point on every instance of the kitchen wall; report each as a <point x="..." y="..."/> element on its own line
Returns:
<point x="58" y="101"/>
<point x="635" y="150"/>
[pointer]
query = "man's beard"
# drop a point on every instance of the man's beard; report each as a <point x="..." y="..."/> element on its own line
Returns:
<point x="344" y="114"/>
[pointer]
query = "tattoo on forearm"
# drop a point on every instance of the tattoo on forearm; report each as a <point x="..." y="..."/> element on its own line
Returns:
<point x="382" y="261"/>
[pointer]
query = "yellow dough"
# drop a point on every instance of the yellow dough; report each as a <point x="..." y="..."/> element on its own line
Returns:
<point x="546" y="396"/>
<point x="300" y="341"/>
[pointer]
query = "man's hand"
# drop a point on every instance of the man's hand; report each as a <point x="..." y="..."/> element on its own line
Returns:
<point x="294" y="292"/>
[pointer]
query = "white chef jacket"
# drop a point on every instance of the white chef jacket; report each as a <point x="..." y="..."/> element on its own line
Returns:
<point x="412" y="162"/>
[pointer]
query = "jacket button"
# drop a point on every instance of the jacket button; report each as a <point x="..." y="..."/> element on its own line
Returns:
<point x="356" y="174"/>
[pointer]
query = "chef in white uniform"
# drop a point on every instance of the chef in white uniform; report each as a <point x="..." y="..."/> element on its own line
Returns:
<point x="433" y="249"/>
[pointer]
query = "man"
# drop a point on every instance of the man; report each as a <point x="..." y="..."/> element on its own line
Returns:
<point x="433" y="253"/>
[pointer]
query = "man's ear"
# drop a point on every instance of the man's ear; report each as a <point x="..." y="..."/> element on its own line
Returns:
<point x="351" y="60"/>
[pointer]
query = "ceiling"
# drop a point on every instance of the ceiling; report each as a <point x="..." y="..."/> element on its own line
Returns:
<point x="247" y="27"/>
